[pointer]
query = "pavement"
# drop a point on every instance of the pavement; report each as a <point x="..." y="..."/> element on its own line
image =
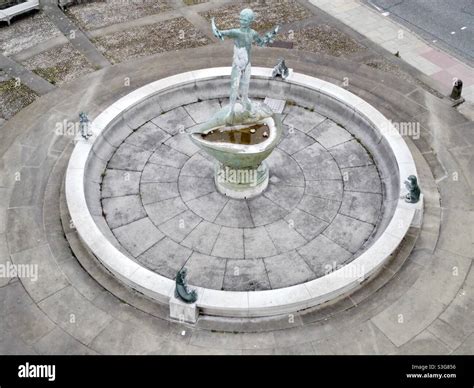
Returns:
<point x="421" y="303"/>
<point x="448" y="24"/>
<point x="438" y="65"/>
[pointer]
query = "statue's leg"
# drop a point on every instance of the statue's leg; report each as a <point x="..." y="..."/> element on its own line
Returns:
<point x="234" y="92"/>
<point x="244" y="87"/>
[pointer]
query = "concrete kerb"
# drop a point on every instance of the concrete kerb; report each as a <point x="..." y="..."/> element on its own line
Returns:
<point x="240" y="304"/>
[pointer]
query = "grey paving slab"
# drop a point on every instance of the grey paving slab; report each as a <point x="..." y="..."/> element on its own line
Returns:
<point x="208" y="206"/>
<point x="306" y="224"/>
<point x="424" y="343"/>
<point x="328" y="189"/>
<point x="408" y="316"/>
<point x="284" y="170"/>
<point x="166" y="257"/>
<point x="264" y="211"/>
<point x="123" y="210"/>
<point x="27" y="324"/>
<point x="203" y="110"/>
<point x="129" y="157"/>
<point x="466" y="347"/>
<point x="258" y="243"/>
<point x="322" y="255"/>
<point x="202" y="238"/>
<point x="30" y="185"/>
<point x="80" y="279"/>
<point x="284" y="236"/>
<point x="351" y="154"/>
<point x="117" y="183"/>
<point x="302" y="119"/>
<point x="122" y="338"/>
<point x="191" y="187"/>
<point x="363" y="206"/>
<point x="148" y="137"/>
<point x="198" y="166"/>
<point x="163" y="211"/>
<point x="330" y="134"/>
<point x="287" y="269"/>
<point x="167" y="156"/>
<point x="46" y="277"/>
<point x="324" y="209"/>
<point x="229" y="243"/>
<point x="446" y="333"/>
<point x="174" y="121"/>
<point x="287" y="197"/>
<point x="75" y="314"/>
<point x="25" y="228"/>
<point x="459" y="315"/>
<point x="362" y="339"/>
<point x="159" y="173"/>
<point x="13" y="296"/>
<point x="454" y="232"/>
<point x="182" y="142"/>
<point x="246" y="275"/>
<point x="10" y="344"/>
<point x="58" y="341"/>
<point x="138" y="236"/>
<point x="235" y="214"/>
<point x="156" y="192"/>
<point x="317" y="163"/>
<point x="348" y="232"/>
<point x="364" y="179"/>
<point x="180" y="226"/>
<point x="206" y="271"/>
<point x="295" y="141"/>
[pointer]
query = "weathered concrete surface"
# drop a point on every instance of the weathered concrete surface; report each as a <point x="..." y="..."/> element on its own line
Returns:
<point x="29" y="329"/>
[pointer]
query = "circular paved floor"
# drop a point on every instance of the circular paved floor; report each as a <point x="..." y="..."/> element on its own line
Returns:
<point x="318" y="213"/>
<point x="421" y="305"/>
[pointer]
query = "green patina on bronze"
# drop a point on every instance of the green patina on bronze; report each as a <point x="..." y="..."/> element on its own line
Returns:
<point x="182" y="290"/>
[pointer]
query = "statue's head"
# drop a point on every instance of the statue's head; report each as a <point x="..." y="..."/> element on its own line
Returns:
<point x="412" y="179"/>
<point x="181" y="275"/>
<point x="246" y="17"/>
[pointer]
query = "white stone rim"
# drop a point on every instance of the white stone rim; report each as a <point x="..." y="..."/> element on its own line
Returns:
<point x="240" y="303"/>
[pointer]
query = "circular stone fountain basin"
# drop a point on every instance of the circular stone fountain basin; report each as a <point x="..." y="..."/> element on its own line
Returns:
<point x="139" y="138"/>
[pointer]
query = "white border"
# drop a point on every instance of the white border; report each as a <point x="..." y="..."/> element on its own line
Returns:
<point x="231" y="303"/>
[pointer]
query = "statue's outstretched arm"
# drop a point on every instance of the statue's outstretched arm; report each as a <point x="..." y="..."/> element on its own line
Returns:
<point x="267" y="38"/>
<point x="215" y="30"/>
<point x="221" y="34"/>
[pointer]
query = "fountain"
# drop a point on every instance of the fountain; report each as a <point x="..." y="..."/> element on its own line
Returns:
<point x="172" y="177"/>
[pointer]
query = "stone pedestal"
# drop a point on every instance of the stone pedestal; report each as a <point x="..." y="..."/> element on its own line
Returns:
<point x="183" y="312"/>
<point x="418" y="218"/>
<point x="241" y="183"/>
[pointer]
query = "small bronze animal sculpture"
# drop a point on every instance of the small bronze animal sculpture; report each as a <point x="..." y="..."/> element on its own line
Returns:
<point x="281" y="70"/>
<point x="414" y="192"/>
<point x="182" y="290"/>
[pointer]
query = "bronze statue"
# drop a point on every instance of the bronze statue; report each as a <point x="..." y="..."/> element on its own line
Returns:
<point x="241" y="67"/>
<point x="414" y="192"/>
<point x="182" y="290"/>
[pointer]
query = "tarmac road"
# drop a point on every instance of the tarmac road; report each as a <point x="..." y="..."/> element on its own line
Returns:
<point x="446" y="23"/>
